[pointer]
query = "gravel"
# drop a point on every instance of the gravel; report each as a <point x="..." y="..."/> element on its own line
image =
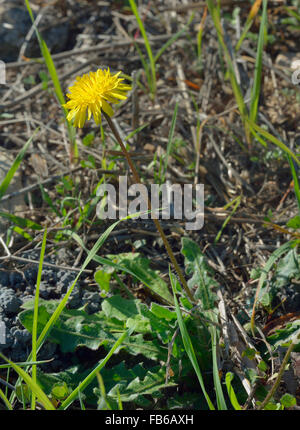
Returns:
<point x="18" y="286"/>
<point x="9" y="303"/>
<point x="15" y="23"/>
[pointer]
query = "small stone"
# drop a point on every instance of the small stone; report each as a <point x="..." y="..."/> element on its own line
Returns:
<point x="7" y="340"/>
<point x="92" y="308"/>
<point x="15" y="278"/>
<point x="44" y="290"/>
<point x="31" y="275"/>
<point x="15" y="24"/>
<point x="9" y="302"/>
<point x="4" y="278"/>
<point x="75" y="300"/>
<point x="22" y="336"/>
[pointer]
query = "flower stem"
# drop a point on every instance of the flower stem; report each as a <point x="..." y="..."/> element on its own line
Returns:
<point x="156" y="222"/>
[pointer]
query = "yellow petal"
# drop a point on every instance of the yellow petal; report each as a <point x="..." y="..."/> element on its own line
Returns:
<point x="107" y="108"/>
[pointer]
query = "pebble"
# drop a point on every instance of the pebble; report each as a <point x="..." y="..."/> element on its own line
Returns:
<point x="16" y="289"/>
<point x="9" y="302"/>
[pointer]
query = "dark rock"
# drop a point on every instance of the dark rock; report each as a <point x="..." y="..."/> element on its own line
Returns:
<point x="75" y="299"/>
<point x="8" y="301"/>
<point x="21" y="336"/>
<point x="15" y="278"/>
<point x="17" y="288"/>
<point x="31" y="274"/>
<point x="18" y="354"/>
<point x="45" y="291"/>
<point x="91" y="297"/>
<point x="64" y="281"/>
<point x="92" y="308"/>
<point x="93" y="301"/>
<point x="29" y="291"/>
<point x="15" y="23"/>
<point x="4" y="278"/>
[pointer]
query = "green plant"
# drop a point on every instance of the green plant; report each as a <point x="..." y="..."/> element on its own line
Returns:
<point x="50" y="322"/>
<point x="20" y="225"/>
<point x="130" y="328"/>
<point x="166" y="354"/>
<point x="151" y="75"/>
<point x="248" y="118"/>
<point x="150" y="69"/>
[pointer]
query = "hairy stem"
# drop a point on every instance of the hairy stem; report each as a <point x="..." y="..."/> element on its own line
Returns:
<point x="156" y="222"/>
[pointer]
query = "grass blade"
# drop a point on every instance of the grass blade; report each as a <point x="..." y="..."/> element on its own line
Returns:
<point x="10" y="174"/>
<point x="66" y="403"/>
<point x="24" y="363"/>
<point x="21" y="222"/>
<point x="256" y="128"/>
<point x="145" y="66"/>
<point x="147" y="44"/>
<point x="228" y="378"/>
<point x="292" y="12"/>
<point x="295" y="180"/>
<point x="169" y="145"/>
<point x="5" y="400"/>
<point x="200" y="33"/>
<point x="217" y="383"/>
<point x="255" y="93"/>
<point x="215" y="14"/>
<point x="165" y="295"/>
<point x="35" y="314"/>
<point x="43" y="336"/>
<point x="219" y="393"/>
<point x="188" y="343"/>
<point x="252" y="14"/>
<point x="236" y="202"/>
<point x="173" y="39"/>
<point x="36" y="390"/>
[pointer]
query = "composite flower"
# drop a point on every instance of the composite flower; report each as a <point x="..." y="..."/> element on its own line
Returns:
<point x="92" y="93"/>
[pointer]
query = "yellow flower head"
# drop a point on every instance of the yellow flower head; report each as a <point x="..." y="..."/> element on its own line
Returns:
<point x="92" y="92"/>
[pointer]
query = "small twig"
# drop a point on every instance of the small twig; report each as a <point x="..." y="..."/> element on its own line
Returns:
<point x="186" y="101"/>
<point x="52" y="179"/>
<point x="250" y="398"/>
<point x="39" y="88"/>
<point x="30" y="33"/>
<point x="101" y="48"/>
<point x="7" y="384"/>
<point x="230" y="168"/>
<point x="156" y="222"/>
<point x="135" y="106"/>
<point x="170" y="347"/>
<point x="201" y="4"/>
<point x="8" y="254"/>
<point x="224" y="320"/>
<point x="27" y="260"/>
<point x="269" y="65"/>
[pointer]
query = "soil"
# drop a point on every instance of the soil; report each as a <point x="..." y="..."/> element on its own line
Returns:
<point x="101" y="34"/>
